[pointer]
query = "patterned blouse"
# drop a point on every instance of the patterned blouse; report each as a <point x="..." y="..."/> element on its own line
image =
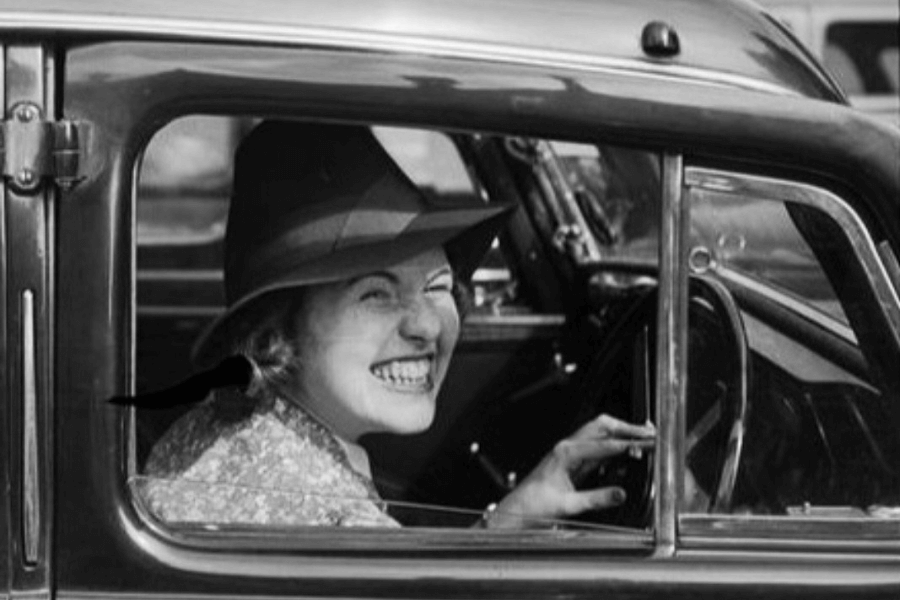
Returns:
<point x="234" y="460"/>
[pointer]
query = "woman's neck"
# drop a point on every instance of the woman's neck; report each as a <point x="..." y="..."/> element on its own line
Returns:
<point x="357" y="457"/>
<point x="356" y="454"/>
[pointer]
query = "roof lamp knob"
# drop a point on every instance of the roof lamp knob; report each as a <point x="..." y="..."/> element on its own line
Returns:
<point x="659" y="39"/>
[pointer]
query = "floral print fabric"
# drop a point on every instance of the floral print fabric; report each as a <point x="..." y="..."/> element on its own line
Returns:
<point x="234" y="460"/>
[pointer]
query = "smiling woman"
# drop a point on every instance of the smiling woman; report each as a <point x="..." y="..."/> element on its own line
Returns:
<point x="343" y="290"/>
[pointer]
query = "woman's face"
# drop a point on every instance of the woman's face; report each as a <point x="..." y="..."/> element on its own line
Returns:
<point x="374" y="349"/>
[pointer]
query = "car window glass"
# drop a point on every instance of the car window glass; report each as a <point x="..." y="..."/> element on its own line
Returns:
<point x="757" y="237"/>
<point x="520" y="350"/>
<point x="790" y="409"/>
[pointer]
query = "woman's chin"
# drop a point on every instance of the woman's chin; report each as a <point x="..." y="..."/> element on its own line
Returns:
<point x="407" y="414"/>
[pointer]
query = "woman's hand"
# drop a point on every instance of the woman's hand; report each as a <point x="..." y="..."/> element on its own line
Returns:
<point x="549" y="490"/>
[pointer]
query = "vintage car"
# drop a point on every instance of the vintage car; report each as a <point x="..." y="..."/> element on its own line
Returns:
<point x="706" y="236"/>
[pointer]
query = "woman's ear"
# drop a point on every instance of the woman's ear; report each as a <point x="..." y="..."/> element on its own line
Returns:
<point x="463" y="296"/>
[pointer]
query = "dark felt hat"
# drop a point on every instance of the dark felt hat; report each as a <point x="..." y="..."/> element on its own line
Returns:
<point x="316" y="203"/>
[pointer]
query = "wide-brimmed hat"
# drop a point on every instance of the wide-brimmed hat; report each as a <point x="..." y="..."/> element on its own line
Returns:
<point x="315" y="203"/>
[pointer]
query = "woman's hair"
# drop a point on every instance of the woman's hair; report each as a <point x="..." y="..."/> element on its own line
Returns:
<point x="267" y="339"/>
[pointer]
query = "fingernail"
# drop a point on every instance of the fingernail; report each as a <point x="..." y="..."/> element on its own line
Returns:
<point x="635" y="452"/>
<point x="618" y="496"/>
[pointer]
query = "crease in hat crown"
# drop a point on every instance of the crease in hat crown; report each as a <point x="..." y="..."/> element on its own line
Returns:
<point x="317" y="202"/>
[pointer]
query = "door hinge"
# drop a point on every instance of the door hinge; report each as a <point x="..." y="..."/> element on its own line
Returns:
<point x="34" y="150"/>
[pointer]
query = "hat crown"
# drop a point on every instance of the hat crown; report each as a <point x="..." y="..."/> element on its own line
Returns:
<point x="304" y="190"/>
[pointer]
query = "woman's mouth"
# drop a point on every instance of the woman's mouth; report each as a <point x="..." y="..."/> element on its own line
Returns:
<point x="408" y="374"/>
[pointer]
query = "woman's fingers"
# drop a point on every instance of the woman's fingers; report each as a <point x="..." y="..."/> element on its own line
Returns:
<point x="549" y="491"/>
<point x="573" y="452"/>
<point x="597" y="499"/>
<point x="608" y="426"/>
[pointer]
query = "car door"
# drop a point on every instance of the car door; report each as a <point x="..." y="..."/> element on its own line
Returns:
<point x="148" y="83"/>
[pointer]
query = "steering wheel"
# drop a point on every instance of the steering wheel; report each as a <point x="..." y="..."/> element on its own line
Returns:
<point x="619" y="380"/>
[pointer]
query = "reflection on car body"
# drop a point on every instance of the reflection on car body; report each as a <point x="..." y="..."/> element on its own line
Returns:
<point x="705" y="236"/>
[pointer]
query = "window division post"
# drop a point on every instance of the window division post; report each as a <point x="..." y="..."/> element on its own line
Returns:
<point x="671" y="351"/>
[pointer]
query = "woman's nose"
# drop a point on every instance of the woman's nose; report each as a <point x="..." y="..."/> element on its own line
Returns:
<point x="421" y="321"/>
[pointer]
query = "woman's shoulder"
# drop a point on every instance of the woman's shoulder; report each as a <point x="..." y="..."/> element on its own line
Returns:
<point x="273" y="465"/>
<point x="228" y="433"/>
<point x="196" y="432"/>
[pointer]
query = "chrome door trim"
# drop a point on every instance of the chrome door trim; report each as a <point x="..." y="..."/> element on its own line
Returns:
<point x="31" y="489"/>
<point x="226" y="31"/>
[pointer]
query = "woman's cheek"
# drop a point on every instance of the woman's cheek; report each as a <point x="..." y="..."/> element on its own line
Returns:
<point x="450" y="326"/>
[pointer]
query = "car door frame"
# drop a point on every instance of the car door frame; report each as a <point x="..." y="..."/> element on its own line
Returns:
<point x="27" y="243"/>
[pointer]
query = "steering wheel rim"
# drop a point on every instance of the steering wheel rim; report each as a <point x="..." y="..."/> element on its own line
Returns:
<point x="724" y="305"/>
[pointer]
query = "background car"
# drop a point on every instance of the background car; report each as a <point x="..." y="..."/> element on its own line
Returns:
<point x="706" y="236"/>
<point x="858" y="42"/>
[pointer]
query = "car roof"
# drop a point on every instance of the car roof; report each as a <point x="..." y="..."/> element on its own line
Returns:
<point x="731" y="42"/>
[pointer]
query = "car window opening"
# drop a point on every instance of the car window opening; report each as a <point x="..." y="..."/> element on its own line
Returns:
<point x="517" y="352"/>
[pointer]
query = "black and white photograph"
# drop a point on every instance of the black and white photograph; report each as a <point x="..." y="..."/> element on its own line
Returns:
<point x="450" y="299"/>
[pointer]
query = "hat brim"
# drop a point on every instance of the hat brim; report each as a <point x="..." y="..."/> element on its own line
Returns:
<point x="464" y="233"/>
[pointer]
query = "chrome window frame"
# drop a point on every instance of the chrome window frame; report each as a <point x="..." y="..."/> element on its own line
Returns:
<point x="671" y="352"/>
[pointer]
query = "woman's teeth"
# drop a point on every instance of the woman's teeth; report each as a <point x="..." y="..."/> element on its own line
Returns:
<point x="404" y="372"/>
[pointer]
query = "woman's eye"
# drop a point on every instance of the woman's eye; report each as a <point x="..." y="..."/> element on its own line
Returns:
<point x="439" y="287"/>
<point x="379" y="294"/>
